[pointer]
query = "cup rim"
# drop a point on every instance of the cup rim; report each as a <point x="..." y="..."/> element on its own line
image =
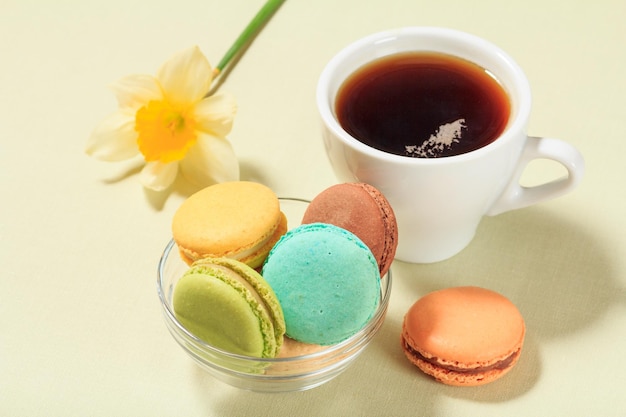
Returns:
<point x="325" y="97"/>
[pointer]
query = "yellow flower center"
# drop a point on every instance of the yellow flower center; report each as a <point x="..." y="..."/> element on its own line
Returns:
<point x="165" y="133"/>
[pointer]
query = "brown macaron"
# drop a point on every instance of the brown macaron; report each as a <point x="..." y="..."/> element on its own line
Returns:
<point x="463" y="336"/>
<point x="363" y="210"/>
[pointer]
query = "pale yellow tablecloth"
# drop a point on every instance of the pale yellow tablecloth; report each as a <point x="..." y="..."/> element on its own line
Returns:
<point x="81" y="332"/>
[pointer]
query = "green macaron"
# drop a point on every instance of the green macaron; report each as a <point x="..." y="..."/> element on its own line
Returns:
<point x="327" y="282"/>
<point x="230" y="306"/>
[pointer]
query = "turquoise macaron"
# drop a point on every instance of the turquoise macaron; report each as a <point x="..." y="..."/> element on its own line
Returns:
<point x="326" y="280"/>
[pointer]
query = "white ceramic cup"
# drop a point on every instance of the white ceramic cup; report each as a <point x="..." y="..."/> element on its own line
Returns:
<point x="439" y="202"/>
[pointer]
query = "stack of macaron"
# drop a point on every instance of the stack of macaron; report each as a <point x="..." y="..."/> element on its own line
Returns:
<point x="251" y="284"/>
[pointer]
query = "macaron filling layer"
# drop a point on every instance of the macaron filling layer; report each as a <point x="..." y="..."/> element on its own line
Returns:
<point x="262" y="246"/>
<point x="245" y="254"/>
<point x="499" y="365"/>
<point x="236" y="277"/>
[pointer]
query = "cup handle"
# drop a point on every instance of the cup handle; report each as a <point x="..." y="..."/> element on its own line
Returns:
<point x="516" y="196"/>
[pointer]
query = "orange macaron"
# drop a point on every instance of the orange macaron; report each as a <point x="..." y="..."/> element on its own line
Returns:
<point x="463" y="336"/>
<point x="240" y="220"/>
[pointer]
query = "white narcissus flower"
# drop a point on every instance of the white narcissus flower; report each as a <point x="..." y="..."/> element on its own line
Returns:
<point x="172" y="123"/>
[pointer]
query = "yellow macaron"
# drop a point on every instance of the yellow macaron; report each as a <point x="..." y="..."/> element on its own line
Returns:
<point x="240" y="220"/>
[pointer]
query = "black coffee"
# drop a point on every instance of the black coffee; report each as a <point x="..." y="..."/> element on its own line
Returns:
<point x="424" y="105"/>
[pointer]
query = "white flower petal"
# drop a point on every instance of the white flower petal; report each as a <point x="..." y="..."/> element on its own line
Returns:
<point x="215" y="114"/>
<point x="115" y="138"/>
<point x="186" y="77"/>
<point x="212" y="160"/>
<point x="137" y="90"/>
<point x="158" y="176"/>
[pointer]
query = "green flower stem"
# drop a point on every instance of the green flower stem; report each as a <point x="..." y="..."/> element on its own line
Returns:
<point x="249" y="32"/>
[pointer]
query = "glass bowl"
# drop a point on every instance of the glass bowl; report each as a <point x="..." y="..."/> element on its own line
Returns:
<point x="281" y="374"/>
